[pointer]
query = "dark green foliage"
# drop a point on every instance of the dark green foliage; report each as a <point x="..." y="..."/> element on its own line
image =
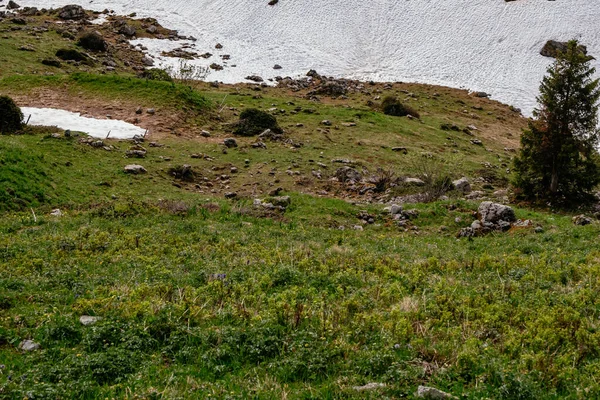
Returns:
<point x="11" y="116"/>
<point x="92" y="41"/>
<point x="51" y="62"/>
<point x="156" y="74"/>
<point x="558" y="160"/>
<point x="73" y="55"/>
<point x="253" y="122"/>
<point x="392" y="106"/>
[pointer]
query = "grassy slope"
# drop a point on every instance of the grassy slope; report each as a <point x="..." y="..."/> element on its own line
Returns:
<point x="203" y="297"/>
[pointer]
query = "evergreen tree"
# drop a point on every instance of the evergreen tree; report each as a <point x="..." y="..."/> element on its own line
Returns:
<point x="558" y="160"/>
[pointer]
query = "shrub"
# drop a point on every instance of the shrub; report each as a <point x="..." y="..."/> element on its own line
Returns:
<point x="156" y="74"/>
<point x="73" y="55"/>
<point x="392" y="106"/>
<point x="11" y="116"/>
<point x="92" y="41"/>
<point x="253" y="122"/>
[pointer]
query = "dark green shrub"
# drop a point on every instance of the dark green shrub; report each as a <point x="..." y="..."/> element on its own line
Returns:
<point x="392" y="106"/>
<point x="92" y="41"/>
<point x="11" y="116"/>
<point x="73" y="55"/>
<point x="156" y="74"/>
<point x="253" y="122"/>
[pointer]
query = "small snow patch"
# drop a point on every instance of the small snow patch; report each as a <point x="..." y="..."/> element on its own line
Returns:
<point x="94" y="127"/>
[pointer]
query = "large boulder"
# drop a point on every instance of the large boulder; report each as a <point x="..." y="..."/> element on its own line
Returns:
<point x="495" y="212"/>
<point x="553" y="48"/>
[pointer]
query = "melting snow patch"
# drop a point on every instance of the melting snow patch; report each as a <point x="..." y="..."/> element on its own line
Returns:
<point x="69" y="120"/>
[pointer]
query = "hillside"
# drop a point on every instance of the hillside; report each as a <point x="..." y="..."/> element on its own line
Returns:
<point x="481" y="45"/>
<point x="333" y="260"/>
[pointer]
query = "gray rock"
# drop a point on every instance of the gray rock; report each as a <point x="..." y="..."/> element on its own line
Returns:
<point x="127" y="30"/>
<point x="71" y="12"/>
<point x="205" y="133"/>
<point x="12" y="5"/>
<point x="88" y="320"/>
<point x="254" y="78"/>
<point x="151" y="111"/>
<point x="134" y="169"/>
<point x="370" y="385"/>
<point x="494" y="212"/>
<point x="326" y="122"/>
<point x="348" y="174"/>
<point x="462" y="185"/>
<point x="414" y="181"/>
<point x="230" y="142"/>
<point x="29" y="345"/>
<point x="395" y="209"/>
<point x="476" y="225"/>
<point x="147" y="61"/>
<point x="581" y="220"/>
<point x="538" y="229"/>
<point x="426" y="392"/>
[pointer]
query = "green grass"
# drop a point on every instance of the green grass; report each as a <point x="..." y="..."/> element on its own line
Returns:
<point x="113" y="88"/>
<point x="217" y="302"/>
<point x="200" y="296"/>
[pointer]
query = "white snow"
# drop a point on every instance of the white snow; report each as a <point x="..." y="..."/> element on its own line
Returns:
<point x="482" y="45"/>
<point x="68" y="120"/>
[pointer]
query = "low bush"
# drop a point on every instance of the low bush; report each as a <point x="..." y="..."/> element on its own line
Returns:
<point x="156" y="74"/>
<point x="92" y="41"/>
<point x="392" y="106"/>
<point x="253" y="122"/>
<point x="11" y="116"/>
<point x="73" y="55"/>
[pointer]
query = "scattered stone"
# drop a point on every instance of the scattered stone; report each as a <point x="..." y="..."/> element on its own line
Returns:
<point x="326" y="122"/>
<point x="72" y="12"/>
<point x="358" y="228"/>
<point x="581" y="220"/>
<point x="230" y="195"/>
<point x="414" y="181"/>
<point x="348" y="175"/>
<point x="216" y="67"/>
<point x="87" y="320"/>
<point x="538" y="229"/>
<point x="56" y="213"/>
<point x="151" y="111"/>
<point x="29" y="345"/>
<point x="476" y="142"/>
<point x="230" y="142"/>
<point x="462" y="185"/>
<point x="430" y="393"/>
<point x="12" y="5"/>
<point x="494" y="212"/>
<point x="127" y="30"/>
<point x="254" y="78"/>
<point x="136" y="151"/>
<point x="218" y="46"/>
<point x="139" y="110"/>
<point x="134" y="169"/>
<point x="147" y="61"/>
<point x="204" y="133"/>
<point x="395" y="209"/>
<point x="277" y="66"/>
